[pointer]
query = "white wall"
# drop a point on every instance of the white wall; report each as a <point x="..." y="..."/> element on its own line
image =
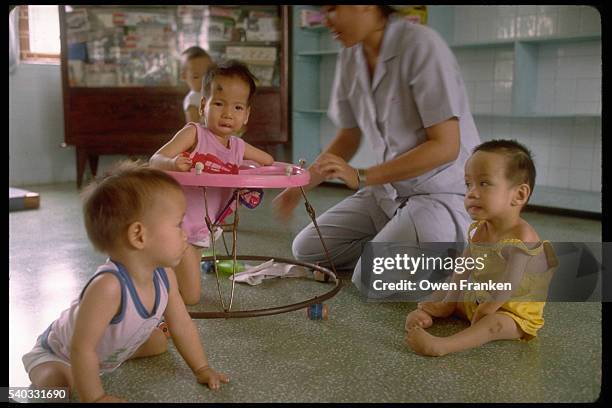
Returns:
<point x="486" y="23"/>
<point x="36" y="129"/>
<point x="567" y="149"/>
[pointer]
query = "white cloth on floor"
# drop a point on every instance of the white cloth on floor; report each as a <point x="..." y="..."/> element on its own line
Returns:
<point x="254" y="275"/>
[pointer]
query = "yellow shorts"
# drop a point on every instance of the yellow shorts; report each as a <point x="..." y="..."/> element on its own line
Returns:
<point x="527" y="315"/>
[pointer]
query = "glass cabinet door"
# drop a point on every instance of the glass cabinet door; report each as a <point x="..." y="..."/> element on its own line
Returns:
<point x="251" y="34"/>
<point x="122" y="91"/>
<point x="121" y="46"/>
<point x="136" y="46"/>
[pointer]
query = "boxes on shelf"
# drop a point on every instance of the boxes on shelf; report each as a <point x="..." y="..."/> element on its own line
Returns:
<point x="190" y="15"/>
<point x="256" y="55"/>
<point x="76" y="73"/>
<point x="220" y="28"/>
<point x="77" y="26"/>
<point x="415" y="14"/>
<point x="150" y="69"/>
<point x="311" y="18"/>
<point x="260" y="60"/>
<point x="101" y="75"/>
<point x="77" y="51"/>
<point x="263" y="73"/>
<point x="262" y="26"/>
<point x="134" y="18"/>
<point x="234" y="13"/>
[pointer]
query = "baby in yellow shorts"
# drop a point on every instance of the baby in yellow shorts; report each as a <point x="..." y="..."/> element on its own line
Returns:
<point x="499" y="176"/>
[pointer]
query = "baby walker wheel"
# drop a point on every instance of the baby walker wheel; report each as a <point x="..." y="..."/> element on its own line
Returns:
<point x="318" y="311"/>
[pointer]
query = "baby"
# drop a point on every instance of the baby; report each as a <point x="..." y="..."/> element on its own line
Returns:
<point x="499" y="176"/>
<point x="194" y="64"/>
<point x="228" y="91"/>
<point x="135" y="216"/>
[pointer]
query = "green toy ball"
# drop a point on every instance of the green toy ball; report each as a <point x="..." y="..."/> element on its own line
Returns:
<point x="225" y="267"/>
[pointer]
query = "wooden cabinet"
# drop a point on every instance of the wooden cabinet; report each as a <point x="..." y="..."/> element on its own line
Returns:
<point x="120" y="73"/>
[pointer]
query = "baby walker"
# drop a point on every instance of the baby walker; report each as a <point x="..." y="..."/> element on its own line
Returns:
<point x="251" y="176"/>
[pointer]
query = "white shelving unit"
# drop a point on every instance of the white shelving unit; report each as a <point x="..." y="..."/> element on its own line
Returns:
<point x="524" y="65"/>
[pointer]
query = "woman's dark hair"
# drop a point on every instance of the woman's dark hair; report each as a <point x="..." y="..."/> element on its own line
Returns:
<point x="386" y="10"/>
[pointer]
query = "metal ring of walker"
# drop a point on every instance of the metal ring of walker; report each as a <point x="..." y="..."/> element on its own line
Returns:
<point x="271" y="310"/>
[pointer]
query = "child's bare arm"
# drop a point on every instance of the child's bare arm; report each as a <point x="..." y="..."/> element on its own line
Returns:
<point x="513" y="273"/>
<point x="258" y="155"/>
<point x="101" y="301"/>
<point x="186" y="337"/>
<point x="168" y="157"/>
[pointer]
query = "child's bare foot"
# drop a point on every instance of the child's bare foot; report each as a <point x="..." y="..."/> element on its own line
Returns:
<point x="424" y="343"/>
<point x="418" y="318"/>
<point x="437" y="309"/>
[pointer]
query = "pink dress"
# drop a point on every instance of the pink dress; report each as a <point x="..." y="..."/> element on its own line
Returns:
<point x="224" y="160"/>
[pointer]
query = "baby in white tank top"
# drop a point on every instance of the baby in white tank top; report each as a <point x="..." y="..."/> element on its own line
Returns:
<point x="135" y="216"/>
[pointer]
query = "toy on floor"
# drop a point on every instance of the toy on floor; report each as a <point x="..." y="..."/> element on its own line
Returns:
<point x="225" y="267"/>
<point x="318" y="311"/>
<point x="247" y="182"/>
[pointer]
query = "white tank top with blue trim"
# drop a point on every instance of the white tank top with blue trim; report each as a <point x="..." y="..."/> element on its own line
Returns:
<point x="127" y="331"/>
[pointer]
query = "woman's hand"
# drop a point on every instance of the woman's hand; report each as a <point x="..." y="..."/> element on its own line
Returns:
<point x="331" y="166"/>
<point x="213" y="379"/>
<point x="181" y="163"/>
<point x="285" y="202"/>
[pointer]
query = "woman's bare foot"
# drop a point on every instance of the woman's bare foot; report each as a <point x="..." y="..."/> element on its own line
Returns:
<point x="424" y="343"/>
<point x="418" y="318"/>
<point x="437" y="309"/>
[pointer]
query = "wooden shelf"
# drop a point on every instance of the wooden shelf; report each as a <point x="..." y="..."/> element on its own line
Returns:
<point x="312" y="111"/>
<point x="532" y="40"/>
<point x="316" y="29"/>
<point x="489" y="44"/>
<point x="221" y="43"/>
<point x="317" y="53"/>
<point x="536" y="115"/>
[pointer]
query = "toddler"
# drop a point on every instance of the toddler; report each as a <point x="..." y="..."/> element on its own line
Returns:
<point x="134" y="215"/>
<point x="194" y="64"/>
<point x="499" y="176"/>
<point x="228" y="90"/>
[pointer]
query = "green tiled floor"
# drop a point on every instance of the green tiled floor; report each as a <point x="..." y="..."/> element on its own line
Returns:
<point x="357" y="355"/>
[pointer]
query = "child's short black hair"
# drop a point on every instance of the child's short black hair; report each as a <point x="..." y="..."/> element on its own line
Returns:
<point x="195" y="52"/>
<point x="229" y="68"/>
<point x="520" y="168"/>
